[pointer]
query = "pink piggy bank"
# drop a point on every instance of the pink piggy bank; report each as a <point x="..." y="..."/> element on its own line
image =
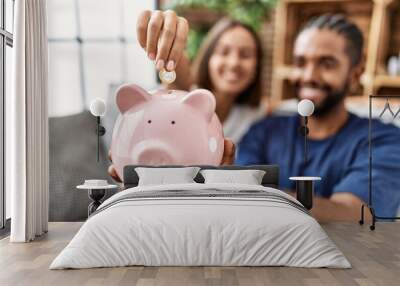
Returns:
<point x="166" y="127"/>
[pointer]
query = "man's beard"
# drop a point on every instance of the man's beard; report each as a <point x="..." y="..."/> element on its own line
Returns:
<point x="331" y="101"/>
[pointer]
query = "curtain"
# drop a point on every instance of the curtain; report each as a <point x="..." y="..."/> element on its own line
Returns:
<point x="27" y="123"/>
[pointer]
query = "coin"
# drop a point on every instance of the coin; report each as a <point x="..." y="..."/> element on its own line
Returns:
<point x="167" y="77"/>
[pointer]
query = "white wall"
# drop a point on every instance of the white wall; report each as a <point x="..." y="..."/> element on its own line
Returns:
<point x="102" y="61"/>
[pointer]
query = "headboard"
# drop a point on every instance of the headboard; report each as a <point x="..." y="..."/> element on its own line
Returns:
<point x="270" y="179"/>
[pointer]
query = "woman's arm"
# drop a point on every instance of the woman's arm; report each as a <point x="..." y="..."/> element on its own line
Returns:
<point x="184" y="79"/>
<point x="163" y="35"/>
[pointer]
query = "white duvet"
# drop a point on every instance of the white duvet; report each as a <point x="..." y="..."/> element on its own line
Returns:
<point x="206" y="230"/>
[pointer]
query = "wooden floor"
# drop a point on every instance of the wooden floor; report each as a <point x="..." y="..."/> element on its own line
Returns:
<point x="375" y="257"/>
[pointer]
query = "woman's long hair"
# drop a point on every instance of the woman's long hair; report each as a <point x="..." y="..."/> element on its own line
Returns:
<point x="252" y="94"/>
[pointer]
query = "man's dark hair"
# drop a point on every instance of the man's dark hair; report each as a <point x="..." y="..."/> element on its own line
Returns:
<point x="341" y="25"/>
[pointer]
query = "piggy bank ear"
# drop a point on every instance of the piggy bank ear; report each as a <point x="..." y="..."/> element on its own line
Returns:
<point x="130" y="95"/>
<point x="201" y="99"/>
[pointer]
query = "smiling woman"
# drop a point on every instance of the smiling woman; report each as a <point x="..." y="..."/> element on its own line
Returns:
<point x="229" y="64"/>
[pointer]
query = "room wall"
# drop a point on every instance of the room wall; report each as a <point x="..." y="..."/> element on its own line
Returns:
<point x="92" y="50"/>
<point x="102" y="57"/>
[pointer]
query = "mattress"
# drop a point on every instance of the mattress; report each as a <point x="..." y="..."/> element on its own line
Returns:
<point x="201" y="225"/>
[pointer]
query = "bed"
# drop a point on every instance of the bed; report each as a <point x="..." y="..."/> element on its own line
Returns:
<point x="201" y="224"/>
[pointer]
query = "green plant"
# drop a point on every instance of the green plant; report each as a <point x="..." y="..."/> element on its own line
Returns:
<point x="250" y="12"/>
<point x="195" y="38"/>
<point x="211" y="4"/>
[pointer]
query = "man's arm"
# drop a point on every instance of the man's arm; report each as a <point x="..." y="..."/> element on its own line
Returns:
<point x="349" y="192"/>
<point x="339" y="207"/>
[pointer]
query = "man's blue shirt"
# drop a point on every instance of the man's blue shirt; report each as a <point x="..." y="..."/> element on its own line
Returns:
<point x="341" y="160"/>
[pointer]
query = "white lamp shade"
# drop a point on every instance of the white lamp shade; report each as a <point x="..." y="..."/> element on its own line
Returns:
<point x="98" y="107"/>
<point x="305" y="107"/>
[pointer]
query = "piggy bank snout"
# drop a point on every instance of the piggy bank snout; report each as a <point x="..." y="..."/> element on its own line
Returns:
<point x="154" y="152"/>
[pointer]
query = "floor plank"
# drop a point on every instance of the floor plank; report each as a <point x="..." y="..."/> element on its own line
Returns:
<point x="374" y="255"/>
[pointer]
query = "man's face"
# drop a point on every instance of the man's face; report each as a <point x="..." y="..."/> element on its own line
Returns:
<point x="322" y="69"/>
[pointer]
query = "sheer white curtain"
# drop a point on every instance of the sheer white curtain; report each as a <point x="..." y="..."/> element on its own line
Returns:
<point x="27" y="124"/>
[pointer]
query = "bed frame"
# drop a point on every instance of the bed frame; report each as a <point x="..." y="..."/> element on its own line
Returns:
<point x="270" y="179"/>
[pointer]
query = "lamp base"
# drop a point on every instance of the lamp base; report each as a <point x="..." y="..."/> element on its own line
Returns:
<point x="305" y="190"/>
<point x="95" y="195"/>
<point x="305" y="193"/>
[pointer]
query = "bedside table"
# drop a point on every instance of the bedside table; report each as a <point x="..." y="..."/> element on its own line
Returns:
<point x="95" y="193"/>
<point x="305" y="190"/>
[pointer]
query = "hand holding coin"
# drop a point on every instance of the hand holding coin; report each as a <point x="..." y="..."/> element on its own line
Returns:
<point x="163" y="35"/>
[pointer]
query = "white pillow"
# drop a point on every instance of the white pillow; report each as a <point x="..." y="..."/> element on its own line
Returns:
<point x="248" y="177"/>
<point x="162" y="176"/>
